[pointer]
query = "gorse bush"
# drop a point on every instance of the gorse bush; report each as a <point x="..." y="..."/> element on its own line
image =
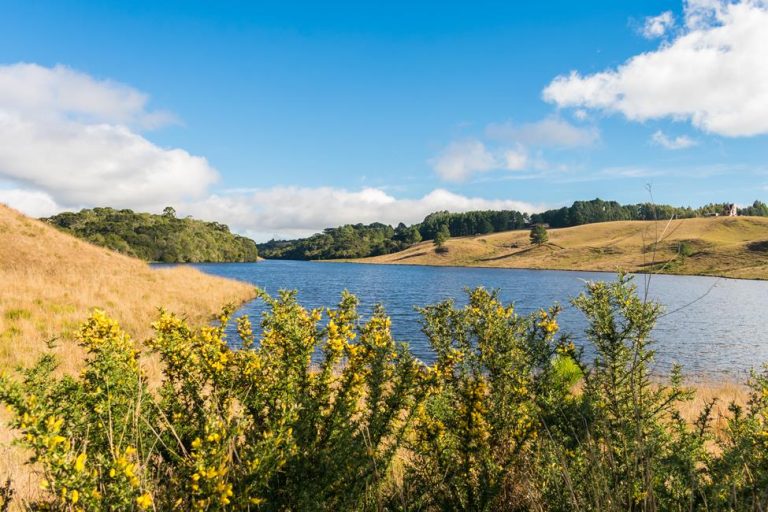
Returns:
<point x="325" y="411"/>
<point x="481" y="419"/>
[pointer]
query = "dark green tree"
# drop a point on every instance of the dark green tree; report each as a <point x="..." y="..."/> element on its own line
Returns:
<point x="442" y="236"/>
<point x="539" y="234"/>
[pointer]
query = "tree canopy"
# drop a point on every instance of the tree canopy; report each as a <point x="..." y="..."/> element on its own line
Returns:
<point x="151" y="237"/>
<point x="539" y="234"/>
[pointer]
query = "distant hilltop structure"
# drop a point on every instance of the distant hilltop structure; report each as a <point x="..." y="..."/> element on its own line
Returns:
<point x="729" y="210"/>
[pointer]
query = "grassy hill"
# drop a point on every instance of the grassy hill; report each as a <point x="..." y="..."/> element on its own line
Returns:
<point x="722" y="246"/>
<point x="49" y="281"/>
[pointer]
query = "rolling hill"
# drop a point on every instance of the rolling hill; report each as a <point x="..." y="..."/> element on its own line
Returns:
<point x="719" y="246"/>
<point x="49" y="281"/>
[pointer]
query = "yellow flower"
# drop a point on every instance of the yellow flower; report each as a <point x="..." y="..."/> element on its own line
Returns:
<point x="80" y="462"/>
<point x="74" y="496"/>
<point x="144" y="501"/>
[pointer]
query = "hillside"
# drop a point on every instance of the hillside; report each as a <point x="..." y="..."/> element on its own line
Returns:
<point x="50" y="280"/>
<point x="153" y="237"/>
<point x="723" y="246"/>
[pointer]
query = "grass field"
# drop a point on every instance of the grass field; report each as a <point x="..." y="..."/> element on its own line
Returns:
<point x="49" y="281"/>
<point x="721" y="246"/>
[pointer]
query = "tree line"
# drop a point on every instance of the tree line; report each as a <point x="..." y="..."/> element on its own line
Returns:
<point x="164" y="238"/>
<point x="361" y="240"/>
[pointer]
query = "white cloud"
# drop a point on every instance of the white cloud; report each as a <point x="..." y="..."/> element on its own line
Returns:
<point x="516" y="159"/>
<point x="679" y="142"/>
<point x="60" y="92"/>
<point x="657" y="26"/>
<point x="73" y="138"/>
<point x="713" y="73"/>
<point x="31" y="202"/>
<point x="550" y="132"/>
<point x="510" y="147"/>
<point x="461" y="159"/>
<point x="296" y="211"/>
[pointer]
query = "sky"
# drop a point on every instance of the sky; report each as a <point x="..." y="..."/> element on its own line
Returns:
<point x="283" y="118"/>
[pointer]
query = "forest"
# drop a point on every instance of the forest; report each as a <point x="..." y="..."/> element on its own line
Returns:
<point x="162" y="238"/>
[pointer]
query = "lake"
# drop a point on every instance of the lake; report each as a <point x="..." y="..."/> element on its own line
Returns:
<point x="716" y="328"/>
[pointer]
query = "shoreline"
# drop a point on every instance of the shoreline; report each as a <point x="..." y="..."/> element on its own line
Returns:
<point x="436" y="265"/>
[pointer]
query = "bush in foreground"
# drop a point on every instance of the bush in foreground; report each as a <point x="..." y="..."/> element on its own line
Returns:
<point x="327" y="412"/>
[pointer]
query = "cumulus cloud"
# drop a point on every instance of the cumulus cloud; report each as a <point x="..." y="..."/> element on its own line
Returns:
<point x="461" y="159"/>
<point x="60" y="92"/>
<point x="712" y="73"/>
<point x="551" y="132"/>
<point x="68" y="140"/>
<point x="680" y="142"/>
<point x="30" y="202"/>
<point x="511" y="147"/>
<point x="75" y="139"/>
<point x="657" y="26"/>
<point x="297" y="211"/>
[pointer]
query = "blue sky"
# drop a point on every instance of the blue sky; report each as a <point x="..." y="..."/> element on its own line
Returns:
<point x="282" y="118"/>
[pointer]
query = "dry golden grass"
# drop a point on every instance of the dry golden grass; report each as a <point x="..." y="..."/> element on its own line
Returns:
<point x="724" y="393"/>
<point x="49" y="281"/>
<point x="720" y="246"/>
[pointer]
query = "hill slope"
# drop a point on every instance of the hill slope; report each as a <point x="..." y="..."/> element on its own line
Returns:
<point x="722" y="246"/>
<point x="50" y="280"/>
<point x="157" y="237"/>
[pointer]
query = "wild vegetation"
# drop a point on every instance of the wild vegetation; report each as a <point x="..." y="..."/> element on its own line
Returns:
<point x="323" y="411"/>
<point x="361" y="241"/>
<point x="150" y="237"/>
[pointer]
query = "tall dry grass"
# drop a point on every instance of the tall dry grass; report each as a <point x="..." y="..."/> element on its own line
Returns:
<point x="49" y="281"/>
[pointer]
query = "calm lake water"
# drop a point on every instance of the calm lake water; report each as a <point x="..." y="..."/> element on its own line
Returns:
<point x="715" y="328"/>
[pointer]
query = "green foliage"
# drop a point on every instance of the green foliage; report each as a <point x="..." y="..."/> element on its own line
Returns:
<point x="758" y="209"/>
<point x="350" y="241"/>
<point x="481" y="421"/>
<point x="157" y="237"/>
<point x="538" y="235"/>
<point x="325" y="412"/>
<point x="632" y="449"/>
<point x="740" y="474"/>
<point x="442" y="236"/>
<point x="262" y="428"/>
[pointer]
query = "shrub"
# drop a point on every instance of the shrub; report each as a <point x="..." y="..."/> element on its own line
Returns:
<point x="326" y="412"/>
<point x="625" y="447"/>
<point x="260" y="428"/>
<point x="539" y="235"/>
<point x="481" y="421"/>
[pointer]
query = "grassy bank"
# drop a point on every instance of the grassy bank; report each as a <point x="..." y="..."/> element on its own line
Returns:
<point x="49" y="281"/>
<point x="721" y="246"/>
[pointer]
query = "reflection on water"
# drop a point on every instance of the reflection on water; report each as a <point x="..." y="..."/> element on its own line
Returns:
<point x="713" y="327"/>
